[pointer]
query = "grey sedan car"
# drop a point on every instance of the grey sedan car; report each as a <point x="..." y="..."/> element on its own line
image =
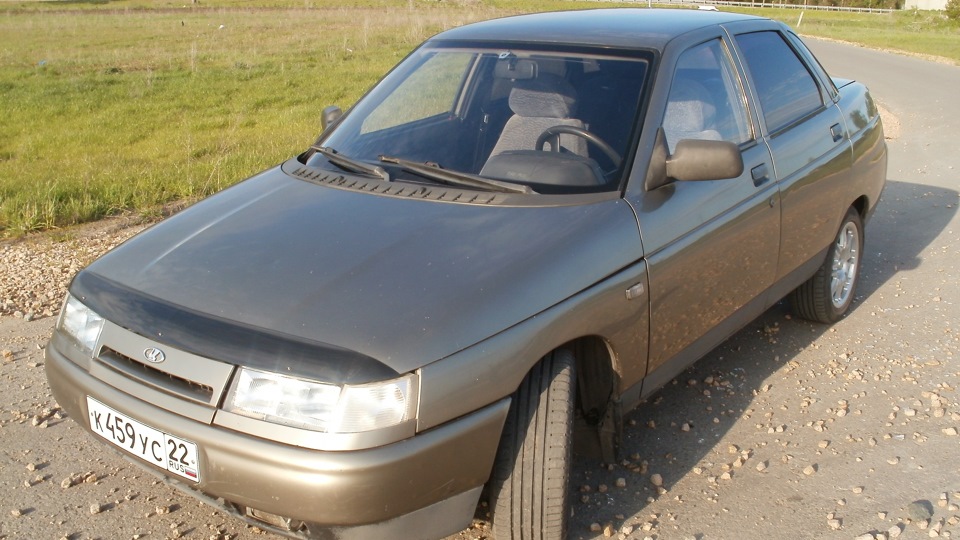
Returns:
<point x="527" y="227"/>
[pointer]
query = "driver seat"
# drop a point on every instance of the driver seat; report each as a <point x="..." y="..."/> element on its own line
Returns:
<point x="538" y="104"/>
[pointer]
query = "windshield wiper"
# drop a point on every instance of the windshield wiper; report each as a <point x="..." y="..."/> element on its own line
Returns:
<point x="434" y="172"/>
<point x="350" y="164"/>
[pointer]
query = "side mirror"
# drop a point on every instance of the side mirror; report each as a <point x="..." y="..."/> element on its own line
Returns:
<point x="329" y="116"/>
<point x="693" y="160"/>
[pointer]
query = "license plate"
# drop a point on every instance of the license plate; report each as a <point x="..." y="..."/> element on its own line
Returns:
<point x="164" y="450"/>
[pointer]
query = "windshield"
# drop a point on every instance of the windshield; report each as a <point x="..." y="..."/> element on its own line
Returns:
<point x="559" y="122"/>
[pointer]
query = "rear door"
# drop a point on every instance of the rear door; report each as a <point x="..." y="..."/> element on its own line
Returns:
<point x="808" y="140"/>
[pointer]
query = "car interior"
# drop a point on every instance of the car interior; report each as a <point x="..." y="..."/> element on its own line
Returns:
<point x="558" y="123"/>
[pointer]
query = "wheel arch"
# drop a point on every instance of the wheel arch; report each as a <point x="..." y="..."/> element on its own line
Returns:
<point x="597" y="376"/>
<point x="598" y="423"/>
<point x="862" y="206"/>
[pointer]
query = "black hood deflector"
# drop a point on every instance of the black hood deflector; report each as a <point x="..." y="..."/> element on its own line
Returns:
<point x="224" y="340"/>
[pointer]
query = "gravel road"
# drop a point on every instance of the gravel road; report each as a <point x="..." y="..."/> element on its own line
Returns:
<point x="788" y="430"/>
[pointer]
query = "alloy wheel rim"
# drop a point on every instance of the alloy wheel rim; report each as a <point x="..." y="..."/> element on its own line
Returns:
<point x="846" y="257"/>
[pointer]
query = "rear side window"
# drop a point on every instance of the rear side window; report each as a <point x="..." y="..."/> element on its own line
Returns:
<point x="814" y="64"/>
<point x="786" y="89"/>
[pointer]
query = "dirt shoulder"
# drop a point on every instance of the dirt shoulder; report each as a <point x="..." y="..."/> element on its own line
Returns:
<point x="35" y="270"/>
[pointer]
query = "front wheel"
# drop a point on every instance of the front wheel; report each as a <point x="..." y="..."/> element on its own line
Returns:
<point x="529" y="484"/>
<point x="827" y="295"/>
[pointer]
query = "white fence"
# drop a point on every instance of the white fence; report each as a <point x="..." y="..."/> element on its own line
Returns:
<point x="721" y="3"/>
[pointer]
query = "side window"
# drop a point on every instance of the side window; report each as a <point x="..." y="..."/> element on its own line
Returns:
<point x="786" y="89"/>
<point x="706" y="98"/>
<point x="814" y="64"/>
<point x="441" y="73"/>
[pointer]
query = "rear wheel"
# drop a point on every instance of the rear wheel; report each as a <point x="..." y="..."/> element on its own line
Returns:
<point x="529" y="484"/>
<point x="827" y="295"/>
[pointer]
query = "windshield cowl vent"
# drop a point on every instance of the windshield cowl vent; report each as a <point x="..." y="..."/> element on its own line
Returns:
<point x="401" y="190"/>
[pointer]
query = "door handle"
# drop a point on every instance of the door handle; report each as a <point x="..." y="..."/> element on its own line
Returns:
<point x="760" y="174"/>
<point x="836" y="132"/>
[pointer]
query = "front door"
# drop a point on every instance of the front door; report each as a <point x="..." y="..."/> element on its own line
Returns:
<point x="711" y="246"/>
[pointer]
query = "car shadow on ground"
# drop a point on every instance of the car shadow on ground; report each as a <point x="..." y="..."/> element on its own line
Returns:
<point x="677" y="427"/>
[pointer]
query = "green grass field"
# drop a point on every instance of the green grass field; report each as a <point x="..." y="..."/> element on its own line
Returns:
<point x="918" y="32"/>
<point x="120" y="106"/>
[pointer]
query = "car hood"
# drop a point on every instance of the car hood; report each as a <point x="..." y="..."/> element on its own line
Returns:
<point x="402" y="282"/>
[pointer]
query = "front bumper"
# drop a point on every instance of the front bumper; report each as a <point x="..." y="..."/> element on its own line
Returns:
<point x="426" y="486"/>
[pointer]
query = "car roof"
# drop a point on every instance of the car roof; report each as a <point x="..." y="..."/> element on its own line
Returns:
<point x="622" y="28"/>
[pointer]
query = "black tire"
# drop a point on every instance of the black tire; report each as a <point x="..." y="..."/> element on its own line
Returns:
<point x="827" y="296"/>
<point x="529" y="488"/>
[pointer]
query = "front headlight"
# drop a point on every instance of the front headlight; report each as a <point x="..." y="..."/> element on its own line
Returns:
<point x="81" y="323"/>
<point x="302" y="403"/>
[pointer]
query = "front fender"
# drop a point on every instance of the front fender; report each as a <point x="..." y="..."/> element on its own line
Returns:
<point x="493" y="369"/>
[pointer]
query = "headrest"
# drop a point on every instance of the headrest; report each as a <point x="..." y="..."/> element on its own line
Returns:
<point x="689" y="108"/>
<point x="547" y="96"/>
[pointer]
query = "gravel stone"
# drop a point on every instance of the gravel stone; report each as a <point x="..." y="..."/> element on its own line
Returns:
<point x="37" y="269"/>
<point x="920" y="510"/>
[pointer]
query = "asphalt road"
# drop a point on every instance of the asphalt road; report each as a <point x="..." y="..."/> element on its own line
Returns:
<point x="788" y="430"/>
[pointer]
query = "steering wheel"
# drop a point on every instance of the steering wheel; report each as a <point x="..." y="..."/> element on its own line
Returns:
<point x="552" y="134"/>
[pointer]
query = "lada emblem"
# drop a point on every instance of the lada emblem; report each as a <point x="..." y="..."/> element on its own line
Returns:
<point x="154" y="355"/>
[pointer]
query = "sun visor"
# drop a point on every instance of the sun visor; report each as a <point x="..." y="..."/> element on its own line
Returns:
<point x="516" y="69"/>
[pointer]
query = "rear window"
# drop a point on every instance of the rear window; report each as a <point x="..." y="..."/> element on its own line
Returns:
<point x="786" y="89"/>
